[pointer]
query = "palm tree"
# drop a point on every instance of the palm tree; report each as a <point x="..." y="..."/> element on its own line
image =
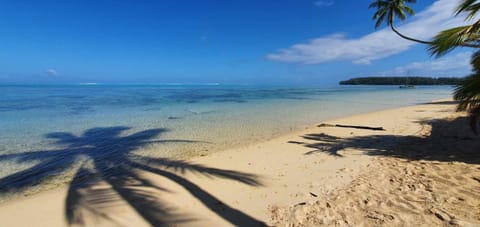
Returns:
<point x="468" y="92"/>
<point x="388" y="10"/>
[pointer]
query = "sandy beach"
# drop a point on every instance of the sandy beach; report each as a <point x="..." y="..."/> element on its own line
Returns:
<point x="422" y="169"/>
<point x="240" y="113"/>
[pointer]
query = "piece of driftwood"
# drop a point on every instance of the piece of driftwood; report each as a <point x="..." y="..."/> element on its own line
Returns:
<point x="301" y="204"/>
<point x="295" y="142"/>
<point x="353" y="126"/>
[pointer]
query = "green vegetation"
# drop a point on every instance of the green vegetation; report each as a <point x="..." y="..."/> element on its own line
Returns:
<point x="462" y="36"/>
<point x="402" y="81"/>
<point x="388" y="10"/>
<point x="467" y="92"/>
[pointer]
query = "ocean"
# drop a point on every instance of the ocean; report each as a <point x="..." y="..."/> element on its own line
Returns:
<point x="49" y="131"/>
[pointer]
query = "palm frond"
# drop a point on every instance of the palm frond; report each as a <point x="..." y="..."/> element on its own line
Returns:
<point x="400" y="13"/>
<point x="450" y="39"/>
<point x="475" y="62"/>
<point x="468" y="93"/>
<point x="380" y="20"/>
<point x="409" y="10"/>
<point x="471" y="7"/>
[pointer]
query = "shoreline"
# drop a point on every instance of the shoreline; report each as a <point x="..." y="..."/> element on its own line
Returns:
<point x="192" y="156"/>
<point x="66" y="179"/>
<point x="238" y="186"/>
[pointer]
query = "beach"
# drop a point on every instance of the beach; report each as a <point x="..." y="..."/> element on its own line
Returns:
<point x="423" y="168"/>
<point x="239" y="113"/>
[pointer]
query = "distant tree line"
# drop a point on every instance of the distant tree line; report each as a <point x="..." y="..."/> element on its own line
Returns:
<point x="402" y="81"/>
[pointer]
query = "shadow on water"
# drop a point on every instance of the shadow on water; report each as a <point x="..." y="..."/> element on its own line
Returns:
<point x="449" y="140"/>
<point x="107" y="155"/>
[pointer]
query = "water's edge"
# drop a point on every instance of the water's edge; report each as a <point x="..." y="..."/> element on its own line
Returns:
<point x="49" y="133"/>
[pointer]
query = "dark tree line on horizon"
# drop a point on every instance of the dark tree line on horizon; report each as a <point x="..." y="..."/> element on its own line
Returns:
<point x="402" y="81"/>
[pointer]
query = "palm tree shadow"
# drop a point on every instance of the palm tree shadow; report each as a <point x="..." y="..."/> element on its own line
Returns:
<point x="449" y="140"/>
<point x="108" y="158"/>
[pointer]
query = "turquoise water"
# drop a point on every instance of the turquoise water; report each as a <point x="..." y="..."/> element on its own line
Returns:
<point x="49" y="131"/>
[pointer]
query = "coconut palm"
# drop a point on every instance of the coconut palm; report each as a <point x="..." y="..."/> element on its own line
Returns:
<point x="388" y="10"/>
<point x="468" y="92"/>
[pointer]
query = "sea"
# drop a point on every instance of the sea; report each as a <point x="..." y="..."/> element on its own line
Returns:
<point x="47" y="132"/>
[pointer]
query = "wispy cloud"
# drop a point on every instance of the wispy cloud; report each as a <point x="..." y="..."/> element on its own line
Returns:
<point x="324" y="3"/>
<point x="453" y="65"/>
<point x="51" y="72"/>
<point x="374" y="46"/>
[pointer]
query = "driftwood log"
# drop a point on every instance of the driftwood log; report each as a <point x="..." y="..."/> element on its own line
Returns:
<point x="352" y="126"/>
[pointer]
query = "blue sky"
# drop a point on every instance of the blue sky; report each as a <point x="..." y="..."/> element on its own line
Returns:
<point x="238" y="42"/>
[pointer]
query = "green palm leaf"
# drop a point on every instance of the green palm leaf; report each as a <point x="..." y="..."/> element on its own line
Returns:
<point x="463" y="36"/>
<point x="468" y="92"/>
<point x="450" y="39"/>
<point x="469" y="6"/>
<point x="468" y="95"/>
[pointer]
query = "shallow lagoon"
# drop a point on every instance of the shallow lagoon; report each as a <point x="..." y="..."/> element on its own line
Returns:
<point x="51" y="130"/>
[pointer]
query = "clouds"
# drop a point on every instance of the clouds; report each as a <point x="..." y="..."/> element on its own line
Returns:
<point x="51" y="72"/>
<point x="453" y="65"/>
<point x="324" y="3"/>
<point x="373" y="46"/>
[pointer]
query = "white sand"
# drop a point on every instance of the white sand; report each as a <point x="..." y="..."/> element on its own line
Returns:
<point x="284" y="184"/>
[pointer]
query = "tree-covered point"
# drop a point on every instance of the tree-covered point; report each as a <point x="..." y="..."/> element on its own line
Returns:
<point x="402" y="81"/>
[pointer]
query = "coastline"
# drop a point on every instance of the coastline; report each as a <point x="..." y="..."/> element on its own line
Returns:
<point x="240" y="185"/>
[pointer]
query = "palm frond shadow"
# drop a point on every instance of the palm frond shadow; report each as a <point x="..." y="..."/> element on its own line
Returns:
<point x="448" y="141"/>
<point x="108" y="157"/>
